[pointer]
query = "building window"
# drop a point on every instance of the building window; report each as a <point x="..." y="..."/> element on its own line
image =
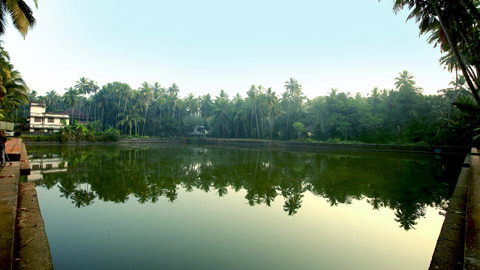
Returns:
<point x="48" y="166"/>
<point x="50" y="120"/>
<point x="35" y="167"/>
<point x="38" y="119"/>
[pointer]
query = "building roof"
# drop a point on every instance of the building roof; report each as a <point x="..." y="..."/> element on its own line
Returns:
<point x="38" y="103"/>
<point x="61" y="115"/>
<point x="75" y="113"/>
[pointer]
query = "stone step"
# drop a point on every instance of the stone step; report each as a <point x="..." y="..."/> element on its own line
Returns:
<point x="9" y="177"/>
<point x="32" y="249"/>
<point x="24" y="163"/>
<point x="472" y="228"/>
<point x="13" y="147"/>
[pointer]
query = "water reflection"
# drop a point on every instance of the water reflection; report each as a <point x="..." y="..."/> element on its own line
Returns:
<point x="44" y="164"/>
<point x="406" y="184"/>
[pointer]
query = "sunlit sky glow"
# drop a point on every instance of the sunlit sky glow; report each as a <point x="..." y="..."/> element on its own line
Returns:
<point x="205" y="46"/>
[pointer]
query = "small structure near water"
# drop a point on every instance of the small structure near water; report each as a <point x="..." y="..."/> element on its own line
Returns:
<point x="199" y="131"/>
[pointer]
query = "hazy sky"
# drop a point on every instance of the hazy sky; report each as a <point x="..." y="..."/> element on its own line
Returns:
<point x="205" y="46"/>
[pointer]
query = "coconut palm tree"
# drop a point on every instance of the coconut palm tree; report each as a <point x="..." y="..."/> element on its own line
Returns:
<point x="93" y="88"/>
<point x="191" y="104"/>
<point x="173" y="90"/>
<point x="272" y="106"/>
<point x="453" y="26"/>
<point x="146" y="95"/>
<point x="240" y="113"/>
<point x="206" y="106"/>
<point x="70" y="97"/>
<point x="52" y="99"/>
<point x="20" y="13"/>
<point x="13" y="90"/>
<point x="293" y="89"/>
<point x="404" y="80"/>
<point x="222" y="112"/>
<point x="252" y="95"/>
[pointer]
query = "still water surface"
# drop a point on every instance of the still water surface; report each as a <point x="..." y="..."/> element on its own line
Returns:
<point x="188" y="207"/>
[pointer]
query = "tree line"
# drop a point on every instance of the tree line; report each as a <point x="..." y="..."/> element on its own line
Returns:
<point x="400" y="115"/>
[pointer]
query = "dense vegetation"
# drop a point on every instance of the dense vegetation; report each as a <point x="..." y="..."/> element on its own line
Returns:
<point x="77" y="132"/>
<point x="453" y="25"/>
<point x="13" y="90"/>
<point x="401" y="115"/>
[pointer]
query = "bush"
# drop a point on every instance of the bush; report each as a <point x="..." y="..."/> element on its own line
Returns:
<point x="55" y="137"/>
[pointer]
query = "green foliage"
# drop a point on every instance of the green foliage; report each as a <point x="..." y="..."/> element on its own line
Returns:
<point x="299" y="128"/>
<point x="20" y="13"/>
<point x="403" y="115"/>
<point x="78" y="132"/>
<point x="453" y="25"/>
<point x="13" y="90"/>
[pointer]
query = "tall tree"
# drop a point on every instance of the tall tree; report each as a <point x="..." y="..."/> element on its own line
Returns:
<point x="146" y="93"/>
<point x="454" y="25"/>
<point x="272" y="106"/>
<point x="293" y="90"/>
<point x="70" y="97"/>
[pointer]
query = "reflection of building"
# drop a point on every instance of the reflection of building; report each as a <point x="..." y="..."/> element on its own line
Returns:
<point x="46" y="164"/>
<point x="43" y="122"/>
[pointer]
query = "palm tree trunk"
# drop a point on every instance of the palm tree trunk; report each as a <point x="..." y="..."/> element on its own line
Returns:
<point x="458" y="56"/>
<point x="270" y="122"/>
<point x="145" y="123"/>
<point x="256" y="121"/>
<point x="245" y="128"/>
<point x="236" y="131"/>
<point x="251" y="125"/>
<point x="288" y="118"/>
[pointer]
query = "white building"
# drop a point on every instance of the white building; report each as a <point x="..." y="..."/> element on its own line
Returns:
<point x="42" y="122"/>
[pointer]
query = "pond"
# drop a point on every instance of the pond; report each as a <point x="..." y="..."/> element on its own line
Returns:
<point x="196" y="207"/>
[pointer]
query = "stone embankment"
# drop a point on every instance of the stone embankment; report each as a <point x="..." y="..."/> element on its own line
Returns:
<point x="335" y="146"/>
<point x="23" y="241"/>
<point x="458" y="245"/>
<point x="304" y="145"/>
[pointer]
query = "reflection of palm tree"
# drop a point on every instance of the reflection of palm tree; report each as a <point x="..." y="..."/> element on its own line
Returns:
<point x="83" y="197"/>
<point x="270" y="196"/>
<point x="66" y="188"/>
<point x="172" y="193"/>
<point x="292" y="204"/>
<point x="407" y="216"/>
<point x="376" y="203"/>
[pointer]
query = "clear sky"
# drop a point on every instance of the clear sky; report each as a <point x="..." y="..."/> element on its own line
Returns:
<point x="205" y="46"/>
